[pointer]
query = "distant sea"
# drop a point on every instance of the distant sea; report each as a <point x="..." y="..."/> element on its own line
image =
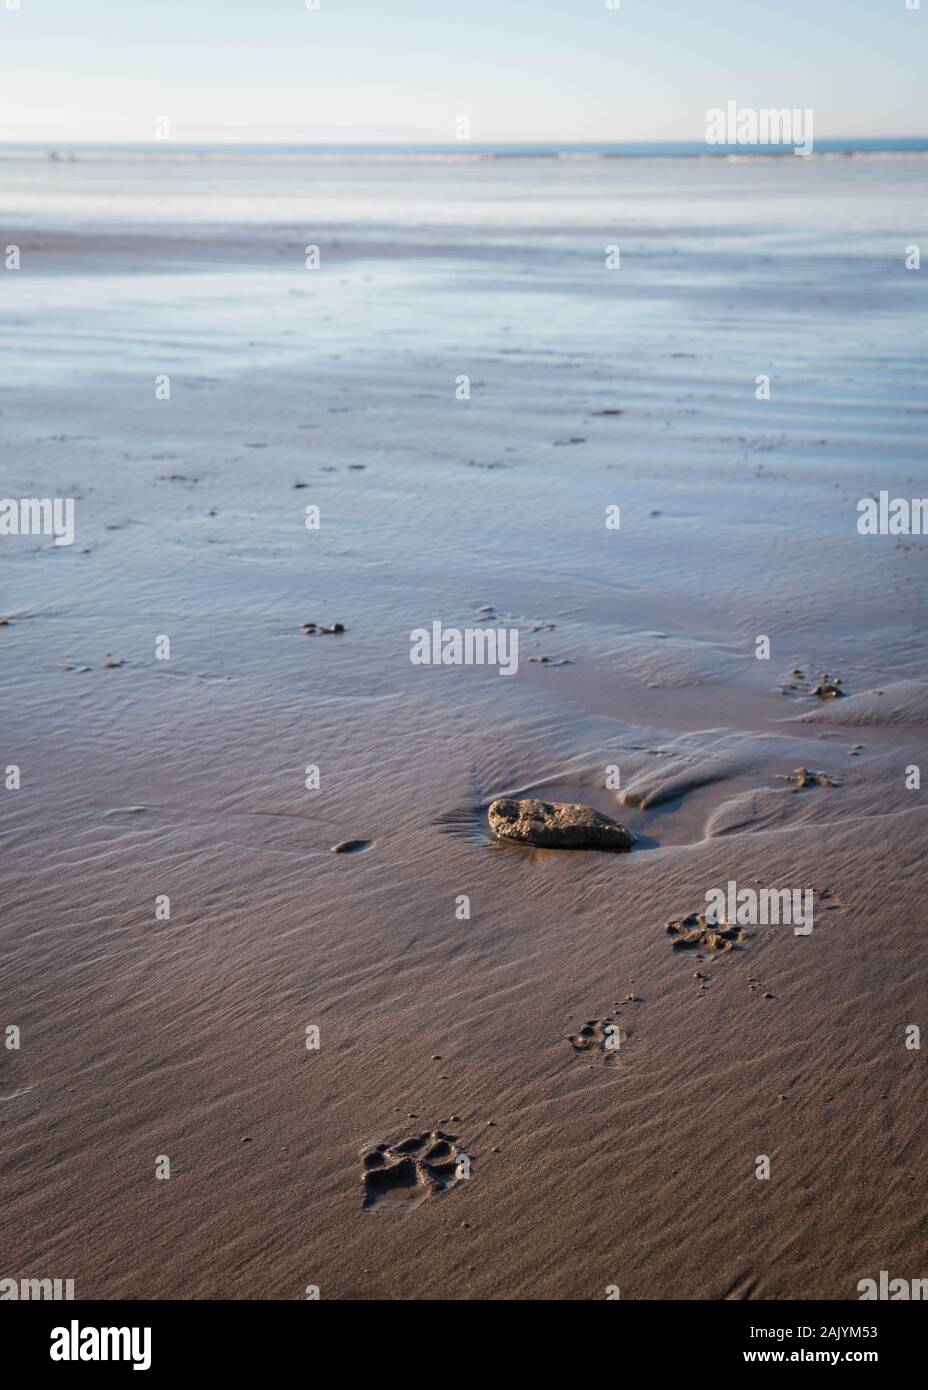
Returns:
<point x="463" y="149"/>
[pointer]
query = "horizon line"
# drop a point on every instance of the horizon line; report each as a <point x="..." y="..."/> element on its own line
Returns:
<point x="430" y="142"/>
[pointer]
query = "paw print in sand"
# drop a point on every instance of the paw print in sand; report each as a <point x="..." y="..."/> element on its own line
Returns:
<point x="699" y="933"/>
<point x="802" y="685"/>
<point x="600" y="1037"/>
<point x="403" y="1175"/>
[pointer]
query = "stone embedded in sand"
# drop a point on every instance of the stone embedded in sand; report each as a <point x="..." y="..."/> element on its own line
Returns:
<point x="555" y="825"/>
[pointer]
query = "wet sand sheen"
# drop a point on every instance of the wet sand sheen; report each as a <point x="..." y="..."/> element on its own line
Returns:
<point x="187" y="1035"/>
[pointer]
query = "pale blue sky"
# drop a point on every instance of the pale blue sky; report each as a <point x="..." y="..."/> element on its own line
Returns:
<point x="564" y="70"/>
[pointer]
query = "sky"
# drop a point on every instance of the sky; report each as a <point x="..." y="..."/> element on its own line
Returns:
<point x="405" y="70"/>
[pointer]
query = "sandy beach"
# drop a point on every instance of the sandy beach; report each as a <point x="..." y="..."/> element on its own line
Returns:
<point x="147" y="1036"/>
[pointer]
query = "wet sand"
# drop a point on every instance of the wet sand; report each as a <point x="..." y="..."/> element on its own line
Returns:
<point x="186" y="777"/>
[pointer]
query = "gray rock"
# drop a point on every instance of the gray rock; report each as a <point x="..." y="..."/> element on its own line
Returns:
<point x="555" y="825"/>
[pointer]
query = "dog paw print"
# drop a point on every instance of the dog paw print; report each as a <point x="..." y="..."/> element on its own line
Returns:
<point x="405" y="1174"/>
<point x="697" y="933"/>
<point x="600" y="1038"/>
<point x="802" y="685"/>
<point x="803" y="777"/>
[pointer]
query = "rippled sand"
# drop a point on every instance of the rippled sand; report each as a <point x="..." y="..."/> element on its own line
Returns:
<point x="186" y="777"/>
